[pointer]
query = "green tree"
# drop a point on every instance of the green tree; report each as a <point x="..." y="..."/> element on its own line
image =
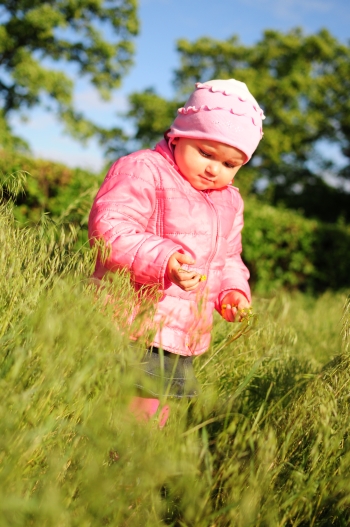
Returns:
<point x="303" y="84"/>
<point x="36" y="34"/>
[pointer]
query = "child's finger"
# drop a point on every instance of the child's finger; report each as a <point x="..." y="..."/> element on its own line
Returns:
<point x="190" y="285"/>
<point x="185" y="274"/>
<point x="229" y="312"/>
<point x="190" y="288"/>
<point x="184" y="259"/>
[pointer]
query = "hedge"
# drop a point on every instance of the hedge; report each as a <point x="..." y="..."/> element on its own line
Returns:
<point x="48" y="188"/>
<point x="283" y="249"/>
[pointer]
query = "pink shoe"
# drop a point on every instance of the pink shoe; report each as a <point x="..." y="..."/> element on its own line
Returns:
<point x="144" y="408"/>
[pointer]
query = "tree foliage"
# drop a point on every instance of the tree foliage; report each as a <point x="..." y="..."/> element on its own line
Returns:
<point x="151" y="113"/>
<point x="303" y="84"/>
<point x="37" y="35"/>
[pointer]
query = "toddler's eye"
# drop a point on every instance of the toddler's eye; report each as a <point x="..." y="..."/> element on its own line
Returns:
<point x="205" y="154"/>
<point x="228" y="165"/>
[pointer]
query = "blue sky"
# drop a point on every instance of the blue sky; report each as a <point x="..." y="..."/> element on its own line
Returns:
<point x="162" y="23"/>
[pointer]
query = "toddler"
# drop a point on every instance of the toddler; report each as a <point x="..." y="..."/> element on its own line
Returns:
<point x="172" y="217"/>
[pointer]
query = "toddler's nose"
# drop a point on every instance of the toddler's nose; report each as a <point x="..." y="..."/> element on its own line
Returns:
<point x="212" y="169"/>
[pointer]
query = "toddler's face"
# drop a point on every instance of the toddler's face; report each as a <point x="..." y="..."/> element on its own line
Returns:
<point x="207" y="164"/>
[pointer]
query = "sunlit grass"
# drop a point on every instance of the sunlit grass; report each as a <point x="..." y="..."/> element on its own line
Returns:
<point x="266" y="443"/>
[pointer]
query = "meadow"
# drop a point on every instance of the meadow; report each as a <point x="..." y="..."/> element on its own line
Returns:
<point x="265" y="444"/>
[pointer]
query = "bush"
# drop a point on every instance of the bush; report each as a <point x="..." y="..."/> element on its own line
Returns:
<point x="283" y="249"/>
<point x="48" y="187"/>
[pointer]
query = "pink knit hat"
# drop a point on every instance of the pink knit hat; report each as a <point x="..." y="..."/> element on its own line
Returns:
<point x="223" y="111"/>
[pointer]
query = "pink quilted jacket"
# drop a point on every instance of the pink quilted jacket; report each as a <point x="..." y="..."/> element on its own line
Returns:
<point x="145" y="211"/>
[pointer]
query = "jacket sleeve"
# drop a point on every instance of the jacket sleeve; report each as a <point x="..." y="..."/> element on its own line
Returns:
<point x="120" y="215"/>
<point x="235" y="274"/>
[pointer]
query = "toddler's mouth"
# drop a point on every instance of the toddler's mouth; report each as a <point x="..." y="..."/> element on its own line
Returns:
<point x="210" y="180"/>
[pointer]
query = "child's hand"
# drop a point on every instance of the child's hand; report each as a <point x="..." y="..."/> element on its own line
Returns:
<point x="232" y="303"/>
<point x="187" y="280"/>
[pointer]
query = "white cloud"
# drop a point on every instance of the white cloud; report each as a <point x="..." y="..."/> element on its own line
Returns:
<point x="88" y="99"/>
<point x="292" y="10"/>
<point x="65" y="150"/>
<point x="105" y="113"/>
<point x="36" y="120"/>
<point x="296" y="9"/>
<point x="88" y="158"/>
<point x="147" y="2"/>
<point x="47" y="140"/>
<point x="62" y="148"/>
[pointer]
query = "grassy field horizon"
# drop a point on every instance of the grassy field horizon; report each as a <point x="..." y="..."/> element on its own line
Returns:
<point x="266" y="443"/>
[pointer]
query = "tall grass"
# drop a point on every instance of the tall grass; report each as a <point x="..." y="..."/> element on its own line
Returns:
<point x="266" y="444"/>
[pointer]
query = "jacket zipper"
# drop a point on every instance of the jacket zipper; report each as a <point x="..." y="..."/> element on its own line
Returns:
<point x="213" y="252"/>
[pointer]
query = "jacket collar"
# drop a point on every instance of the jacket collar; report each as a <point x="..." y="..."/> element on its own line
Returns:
<point x="167" y="152"/>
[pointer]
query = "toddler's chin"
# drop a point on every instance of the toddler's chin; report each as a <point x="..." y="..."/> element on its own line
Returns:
<point x="201" y="184"/>
<point x="198" y="186"/>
